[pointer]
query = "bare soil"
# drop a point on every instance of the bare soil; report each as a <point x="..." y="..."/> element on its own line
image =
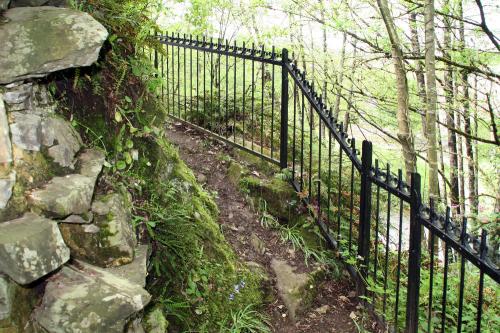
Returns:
<point x="239" y="220"/>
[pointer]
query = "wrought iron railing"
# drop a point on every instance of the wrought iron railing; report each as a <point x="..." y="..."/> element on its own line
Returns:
<point x="262" y="103"/>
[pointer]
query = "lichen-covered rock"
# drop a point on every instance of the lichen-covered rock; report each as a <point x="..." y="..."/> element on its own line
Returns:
<point x="295" y="289"/>
<point x="16" y="304"/>
<point x="85" y="299"/>
<point x="6" y="185"/>
<point x="137" y="271"/>
<point x="64" y="196"/>
<point x="41" y="40"/>
<point x="90" y="162"/>
<point x="26" y="130"/>
<point x="109" y="240"/>
<point x="5" y="145"/>
<point x="31" y="247"/>
<point x="63" y="140"/>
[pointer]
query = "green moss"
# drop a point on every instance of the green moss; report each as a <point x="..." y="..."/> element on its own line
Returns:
<point x="280" y="198"/>
<point x="32" y="170"/>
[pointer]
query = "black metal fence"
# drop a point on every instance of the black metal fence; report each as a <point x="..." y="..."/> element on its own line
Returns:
<point x="415" y="267"/>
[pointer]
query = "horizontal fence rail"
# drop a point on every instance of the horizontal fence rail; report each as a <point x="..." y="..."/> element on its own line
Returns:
<point x="415" y="267"/>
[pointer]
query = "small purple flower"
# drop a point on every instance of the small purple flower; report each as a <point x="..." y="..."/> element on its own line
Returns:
<point x="231" y="297"/>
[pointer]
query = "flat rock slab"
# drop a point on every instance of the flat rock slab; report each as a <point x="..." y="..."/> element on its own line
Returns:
<point x="31" y="247"/>
<point x="85" y="299"/>
<point x="64" y="196"/>
<point x="40" y="40"/>
<point x="137" y="271"/>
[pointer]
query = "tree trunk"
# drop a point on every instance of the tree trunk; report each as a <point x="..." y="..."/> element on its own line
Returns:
<point x="473" y="206"/>
<point x="404" y="130"/>
<point x="430" y="71"/>
<point x="419" y="73"/>
<point x="450" y="122"/>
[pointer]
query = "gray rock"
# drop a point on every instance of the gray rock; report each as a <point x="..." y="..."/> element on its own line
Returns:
<point x="26" y="131"/>
<point x="31" y="247"/>
<point x="90" y="162"/>
<point x="6" y="185"/>
<point x="18" y="97"/>
<point x="257" y="244"/>
<point x="5" y="145"/>
<point x="42" y="40"/>
<point x="64" y="196"/>
<point x="5" y="297"/>
<point x="109" y="241"/>
<point x="85" y="299"/>
<point x="135" y="326"/>
<point x="63" y="140"/>
<point x="295" y="289"/>
<point x="137" y="271"/>
<point x="18" y="94"/>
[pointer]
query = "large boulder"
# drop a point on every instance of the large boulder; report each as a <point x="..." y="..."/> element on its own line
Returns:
<point x="31" y="247"/>
<point x="40" y="40"/>
<point x="85" y="299"/>
<point x="110" y="239"/>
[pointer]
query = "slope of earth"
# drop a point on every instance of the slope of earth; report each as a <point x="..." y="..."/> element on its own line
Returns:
<point x="334" y="309"/>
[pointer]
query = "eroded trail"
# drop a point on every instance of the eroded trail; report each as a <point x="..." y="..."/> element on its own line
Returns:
<point x="334" y="306"/>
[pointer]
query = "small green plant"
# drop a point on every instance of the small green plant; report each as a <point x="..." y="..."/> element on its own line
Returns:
<point x="246" y="320"/>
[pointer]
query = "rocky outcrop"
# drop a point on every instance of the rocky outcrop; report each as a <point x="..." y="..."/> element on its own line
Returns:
<point x="109" y="240"/>
<point x="30" y="248"/>
<point x="44" y="173"/>
<point x="68" y="39"/>
<point x="82" y="298"/>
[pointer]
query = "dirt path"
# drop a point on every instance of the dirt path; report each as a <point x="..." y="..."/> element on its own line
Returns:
<point x="332" y="307"/>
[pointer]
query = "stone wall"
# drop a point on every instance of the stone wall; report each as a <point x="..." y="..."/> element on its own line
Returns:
<point x="69" y="259"/>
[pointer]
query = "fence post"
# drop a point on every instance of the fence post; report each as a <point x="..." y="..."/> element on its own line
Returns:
<point x="284" y="111"/>
<point x="414" y="256"/>
<point x="156" y="55"/>
<point x="365" y="204"/>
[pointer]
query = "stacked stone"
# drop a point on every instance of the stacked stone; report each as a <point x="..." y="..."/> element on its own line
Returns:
<point x="49" y="210"/>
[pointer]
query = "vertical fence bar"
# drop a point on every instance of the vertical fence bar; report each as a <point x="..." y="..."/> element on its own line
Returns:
<point x="284" y="111"/>
<point x="414" y="256"/>
<point x="364" y="215"/>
